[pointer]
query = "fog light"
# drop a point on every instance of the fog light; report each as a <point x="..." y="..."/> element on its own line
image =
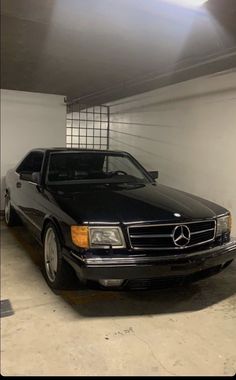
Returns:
<point x="112" y="282"/>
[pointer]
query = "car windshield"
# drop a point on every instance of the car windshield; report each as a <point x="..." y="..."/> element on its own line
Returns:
<point x="94" y="167"/>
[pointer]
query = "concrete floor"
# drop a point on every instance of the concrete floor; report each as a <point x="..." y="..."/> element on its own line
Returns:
<point x="176" y="331"/>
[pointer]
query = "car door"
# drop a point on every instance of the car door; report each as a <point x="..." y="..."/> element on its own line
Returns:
<point x="28" y="193"/>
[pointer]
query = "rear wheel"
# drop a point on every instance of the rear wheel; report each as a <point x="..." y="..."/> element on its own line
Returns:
<point x="11" y="217"/>
<point x="58" y="273"/>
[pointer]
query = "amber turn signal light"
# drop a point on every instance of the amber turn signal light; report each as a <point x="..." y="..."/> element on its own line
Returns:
<point x="80" y="236"/>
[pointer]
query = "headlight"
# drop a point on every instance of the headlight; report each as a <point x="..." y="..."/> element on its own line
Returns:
<point x="223" y="224"/>
<point x="97" y="237"/>
<point x="106" y="236"/>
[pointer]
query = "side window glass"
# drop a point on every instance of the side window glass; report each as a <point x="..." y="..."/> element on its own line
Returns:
<point x="32" y="163"/>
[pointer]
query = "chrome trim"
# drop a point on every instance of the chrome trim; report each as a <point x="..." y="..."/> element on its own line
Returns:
<point x="225" y="214"/>
<point x="171" y="224"/>
<point x="170" y="235"/>
<point x="199" y="232"/>
<point x="77" y="256"/>
<point x="141" y="222"/>
<point x="151" y="235"/>
<point x="170" y="248"/>
<point x="103" y="224"/>
<point x="111" y="261"/>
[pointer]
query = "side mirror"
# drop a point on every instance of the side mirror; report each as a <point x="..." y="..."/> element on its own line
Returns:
<point x="154" y="174"/>
<point x="36" y="177"/>
<point x="25" y="176"/>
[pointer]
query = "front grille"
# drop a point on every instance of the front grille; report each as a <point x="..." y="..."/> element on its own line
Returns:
<point x="161" y="236"/>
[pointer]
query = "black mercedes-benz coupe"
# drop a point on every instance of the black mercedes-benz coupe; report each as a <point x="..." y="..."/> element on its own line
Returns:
<point x="101" y="215"/>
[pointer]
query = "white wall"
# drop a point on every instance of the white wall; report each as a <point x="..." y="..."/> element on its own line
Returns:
<point x="186" y="131"/>
<point x="29" y="120"/>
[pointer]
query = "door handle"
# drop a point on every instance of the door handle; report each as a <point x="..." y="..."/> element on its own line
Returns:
<point x="18" y="184"/>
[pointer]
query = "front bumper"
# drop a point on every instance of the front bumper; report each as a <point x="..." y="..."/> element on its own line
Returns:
<point x="147" y="267"/>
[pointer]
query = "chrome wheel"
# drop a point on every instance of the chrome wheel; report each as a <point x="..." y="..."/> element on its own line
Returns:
<point x="50" y="254"/>
<point x="7" y="210"/>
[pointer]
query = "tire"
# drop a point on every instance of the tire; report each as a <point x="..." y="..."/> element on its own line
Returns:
<point x="57" y="272"/>
<point x="10" y="215"/>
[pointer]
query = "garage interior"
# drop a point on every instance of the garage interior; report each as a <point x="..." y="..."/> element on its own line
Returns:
<point x="155" y="78"/>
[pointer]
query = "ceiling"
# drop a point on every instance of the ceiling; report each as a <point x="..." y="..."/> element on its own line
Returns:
<point x="103" y="50"/>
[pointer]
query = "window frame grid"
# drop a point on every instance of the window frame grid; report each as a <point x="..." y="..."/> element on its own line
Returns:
<point x="79" y="123"/>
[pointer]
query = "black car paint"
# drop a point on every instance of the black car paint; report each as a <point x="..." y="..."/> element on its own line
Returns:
<point x="101" y="204"/>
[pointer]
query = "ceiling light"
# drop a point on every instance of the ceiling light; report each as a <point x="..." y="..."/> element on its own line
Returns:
<point x="188" y="3"/>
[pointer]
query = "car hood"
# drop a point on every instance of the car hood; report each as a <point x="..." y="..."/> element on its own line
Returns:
<point x="112" y="204"/>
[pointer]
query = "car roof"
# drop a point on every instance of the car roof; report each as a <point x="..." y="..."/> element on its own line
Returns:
<point x="63" y="149"/>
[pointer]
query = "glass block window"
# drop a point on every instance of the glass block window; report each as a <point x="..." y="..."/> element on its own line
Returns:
<point x="87" y="128"/>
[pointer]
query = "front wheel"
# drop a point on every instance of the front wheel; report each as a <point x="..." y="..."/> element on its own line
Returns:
<point x="58" y="273"/>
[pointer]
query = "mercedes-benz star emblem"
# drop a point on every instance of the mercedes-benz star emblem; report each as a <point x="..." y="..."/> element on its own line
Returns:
<point x="181" y="235"/>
